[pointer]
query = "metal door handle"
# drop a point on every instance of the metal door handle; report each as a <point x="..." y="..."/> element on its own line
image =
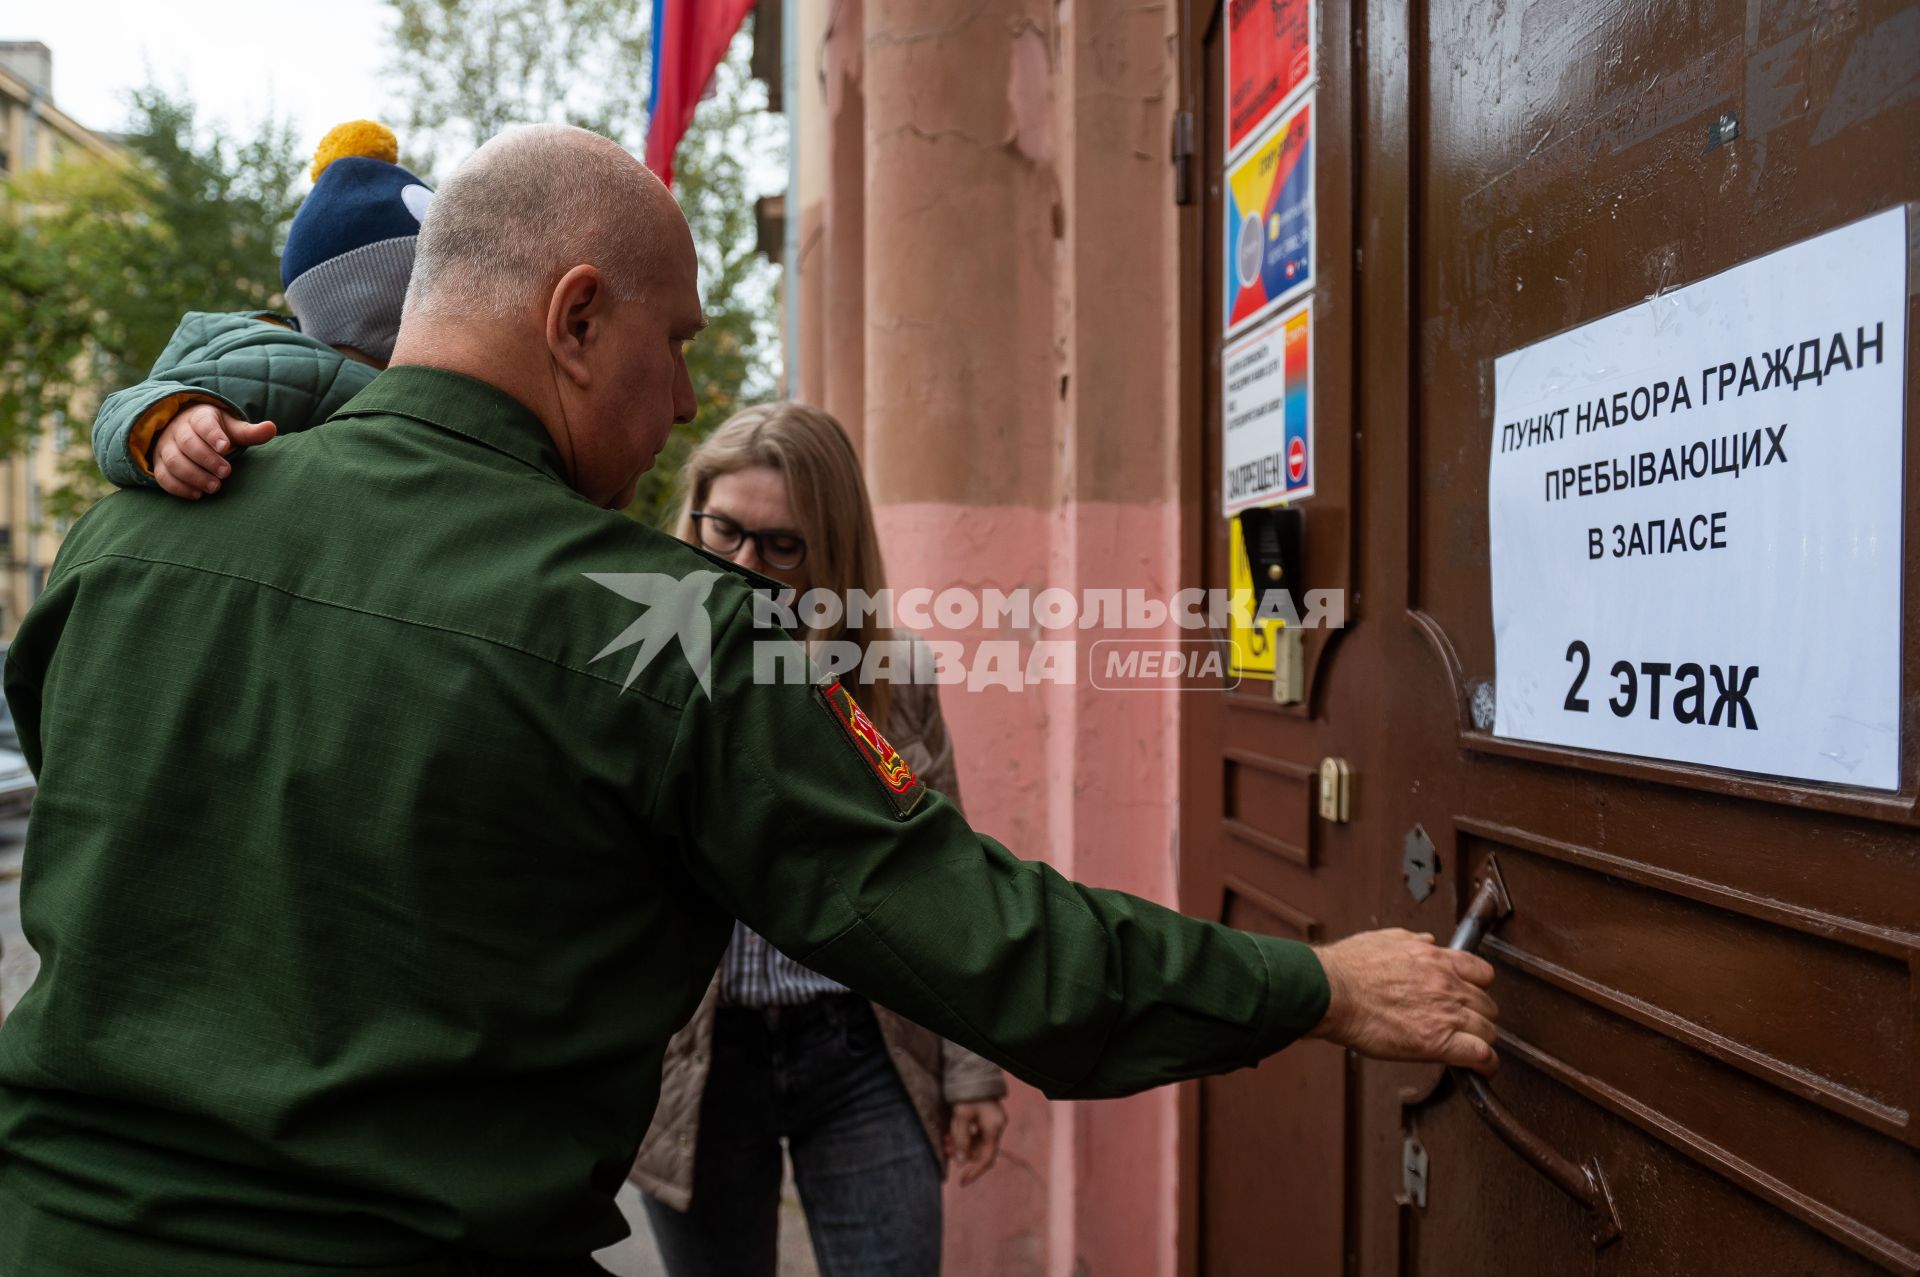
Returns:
<point x="1582" y="1182"/>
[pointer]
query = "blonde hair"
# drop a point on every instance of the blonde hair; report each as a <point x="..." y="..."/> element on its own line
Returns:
<point x="808" y="448"/>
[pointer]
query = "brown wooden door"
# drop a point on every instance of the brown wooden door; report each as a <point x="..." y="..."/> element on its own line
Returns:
<point x="1710" y="983"/>
<point x="1269" y="1174"/>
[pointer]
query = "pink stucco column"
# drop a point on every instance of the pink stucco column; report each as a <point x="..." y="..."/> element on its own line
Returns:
<point x="1019" y="381"/>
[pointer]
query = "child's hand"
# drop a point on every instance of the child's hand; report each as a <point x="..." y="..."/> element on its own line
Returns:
<point x="190" y="452"/>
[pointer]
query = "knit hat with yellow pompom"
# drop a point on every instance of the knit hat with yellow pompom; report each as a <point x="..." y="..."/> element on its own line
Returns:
<point x="350" y="250"/>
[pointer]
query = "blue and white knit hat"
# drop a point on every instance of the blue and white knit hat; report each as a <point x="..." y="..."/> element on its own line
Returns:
<point x="350" y="251"/>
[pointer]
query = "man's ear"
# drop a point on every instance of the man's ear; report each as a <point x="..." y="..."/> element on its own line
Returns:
<point x="576" y="310"/>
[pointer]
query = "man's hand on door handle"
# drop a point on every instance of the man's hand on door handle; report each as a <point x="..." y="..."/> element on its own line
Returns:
<point x="1400" y="996"/>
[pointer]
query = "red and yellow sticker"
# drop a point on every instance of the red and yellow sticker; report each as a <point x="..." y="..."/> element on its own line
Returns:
<point x="902" y="788"/>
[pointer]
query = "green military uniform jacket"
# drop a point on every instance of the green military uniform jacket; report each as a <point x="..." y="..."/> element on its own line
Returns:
<point x="368" y="892"/>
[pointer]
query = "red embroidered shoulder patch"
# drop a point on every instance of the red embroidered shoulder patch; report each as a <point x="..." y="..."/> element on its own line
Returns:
<point x="902" y="788"/>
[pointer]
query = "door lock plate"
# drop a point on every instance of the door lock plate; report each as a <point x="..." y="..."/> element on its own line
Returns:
<point x="1413" y="1173"/>
<point x="1419" y="863"/>
<point x="1289" y="666"/>
<point x="1336" y="790"/>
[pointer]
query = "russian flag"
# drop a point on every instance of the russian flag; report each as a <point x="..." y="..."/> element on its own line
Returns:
<point x="689" y="39"/>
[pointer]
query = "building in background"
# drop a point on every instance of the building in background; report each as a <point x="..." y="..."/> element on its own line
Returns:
<point x="34" y="135"/>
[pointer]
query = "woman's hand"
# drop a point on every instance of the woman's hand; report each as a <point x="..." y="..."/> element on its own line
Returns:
<point x="973" y="1137"/>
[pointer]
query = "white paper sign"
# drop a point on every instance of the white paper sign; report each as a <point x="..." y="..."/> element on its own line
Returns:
<point x="1694" y="511"/>
<point x="1266" y="399"/>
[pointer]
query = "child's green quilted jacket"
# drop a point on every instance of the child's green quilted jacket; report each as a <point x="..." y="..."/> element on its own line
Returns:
<point x="254" y="365"/>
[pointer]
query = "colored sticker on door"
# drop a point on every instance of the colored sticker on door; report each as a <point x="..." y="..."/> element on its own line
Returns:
<point x="1251" y="640"/>
<point x="1266" y="419"/>
<point x="1268" y="257"/>
<point x="1269" y="59"/>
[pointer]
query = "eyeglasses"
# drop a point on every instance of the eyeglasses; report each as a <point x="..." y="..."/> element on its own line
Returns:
<point x="722" y="535"/>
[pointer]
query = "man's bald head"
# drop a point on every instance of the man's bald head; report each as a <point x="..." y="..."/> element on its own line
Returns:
<point x="527" y="207"/>
<point x="553" y="266"/>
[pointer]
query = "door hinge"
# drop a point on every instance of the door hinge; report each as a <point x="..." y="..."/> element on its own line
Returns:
<point x="1182" y="153"/>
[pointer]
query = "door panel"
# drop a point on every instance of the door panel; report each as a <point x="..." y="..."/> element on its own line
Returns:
<point x="1798" y="1006"/>
<point x="1266" y="1165"/>
<point x="1707" y="982"/>
<point x="1489" y="1213"/>
<point x="1295" y="1100"/>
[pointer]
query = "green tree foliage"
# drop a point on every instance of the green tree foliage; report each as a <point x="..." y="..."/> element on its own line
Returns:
<point x="474" y="67"/>
<point x="100" y="258"/>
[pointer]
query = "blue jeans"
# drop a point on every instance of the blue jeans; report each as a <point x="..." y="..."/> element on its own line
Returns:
<point x="819" y="1076"/>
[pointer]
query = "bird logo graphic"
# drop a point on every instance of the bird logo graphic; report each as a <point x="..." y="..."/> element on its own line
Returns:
<point x="676" y="609"/>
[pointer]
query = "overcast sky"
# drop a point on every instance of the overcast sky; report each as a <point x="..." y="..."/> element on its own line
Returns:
<point x="318" y="61"/>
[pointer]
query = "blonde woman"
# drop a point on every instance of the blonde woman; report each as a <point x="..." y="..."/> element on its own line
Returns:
<point x="870" y="1106"/>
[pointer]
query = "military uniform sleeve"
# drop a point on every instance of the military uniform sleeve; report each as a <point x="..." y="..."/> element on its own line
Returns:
<point x="964" y="1076"/>
<point x="1082" y="992"/>
<point x="918" y="706"/>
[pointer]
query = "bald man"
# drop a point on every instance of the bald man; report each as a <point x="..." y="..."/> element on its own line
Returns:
<point x="367" y="897"/>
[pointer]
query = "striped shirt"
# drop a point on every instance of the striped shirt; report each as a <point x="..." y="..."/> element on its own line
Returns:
<point x="755" y="974"/>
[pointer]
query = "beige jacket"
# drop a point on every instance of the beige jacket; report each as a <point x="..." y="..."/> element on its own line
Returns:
<point x="936" y="1073"/>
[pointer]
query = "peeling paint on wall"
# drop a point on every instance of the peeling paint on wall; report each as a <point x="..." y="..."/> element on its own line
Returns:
<point x="1030" y="96"/>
